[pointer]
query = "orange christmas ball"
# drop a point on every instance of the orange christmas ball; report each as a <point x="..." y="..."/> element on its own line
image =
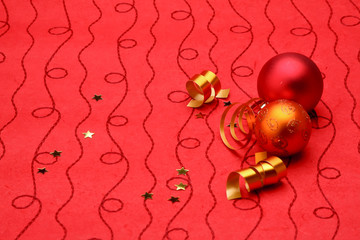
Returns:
<point x="283" y="127"/>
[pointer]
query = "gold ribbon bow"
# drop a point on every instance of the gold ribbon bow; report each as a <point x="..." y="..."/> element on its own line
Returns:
<point x="266" y="171"/>
<point x="203" y="88"/>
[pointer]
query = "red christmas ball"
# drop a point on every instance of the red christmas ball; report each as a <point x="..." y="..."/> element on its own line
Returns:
<point x="291" y="76"/>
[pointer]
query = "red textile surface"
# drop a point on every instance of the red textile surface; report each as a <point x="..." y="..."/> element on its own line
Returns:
<point x="55" y="55"/>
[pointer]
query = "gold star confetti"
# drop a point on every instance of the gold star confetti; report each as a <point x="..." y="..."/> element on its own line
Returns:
<point x="42" y="170"/>
<point x="180" y="186"/>
<point x="174" y="199"/>
<point x="200" y="115"/>
<point x="97" y="97"/>
<point x="56" y="153"/>
<point x="228" y="103"/>
<point x="88" y="134"/>
<point x="147" y="195"/>
<point x="182" y="171"/>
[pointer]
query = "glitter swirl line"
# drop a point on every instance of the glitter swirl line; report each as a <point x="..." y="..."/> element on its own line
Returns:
<point x="133" y="8"/>
<point x="52" y="110"/>
<point x="318" y="164"/>
<point x="24" y="79"/>
<point x="244" y="50"/>
<point x="33" y="197"/>
<point x="209" y="127"/>
<point x="67" y="172"/>
<point x="310" y="25"/>
<point x="167" y="231"/>
<point x="346" y="66"/>
<point x="153" y="73"/>
<point x="272" y="24"/>
<point x="110" y="116"/>
<point x="213" y="169"/>
<point x="46" y="69"/>
<point x="290" y="207"/>
<point x="215" y="36"/>
<point x="185" y="38"/>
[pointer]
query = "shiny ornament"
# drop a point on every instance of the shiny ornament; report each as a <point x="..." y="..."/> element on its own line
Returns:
<point x="291" y="76"/>
<point x="282" y="127"/>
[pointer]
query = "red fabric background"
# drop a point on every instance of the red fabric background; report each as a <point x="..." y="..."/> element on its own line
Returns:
<point x="55" y="55"/>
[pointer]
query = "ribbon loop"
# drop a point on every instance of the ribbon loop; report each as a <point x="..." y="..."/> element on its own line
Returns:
<point x="203" y="88"/>
<point x="247" y="110"/>
<point x="265" y="172"/>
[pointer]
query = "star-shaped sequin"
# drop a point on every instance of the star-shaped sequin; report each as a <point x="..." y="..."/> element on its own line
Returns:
<point x="88" y="134"/>
<point x="174" y="199"/>
<point x="200" y="115"/>
<point x="147" y="195"/>
<point x="97" y="97"/>
<point x="56" y="153"/>
<point x="42" y="170"/>
<point x="180" y="186"/>
<point x="182" y="171"/>
<point x="228" y="103"/>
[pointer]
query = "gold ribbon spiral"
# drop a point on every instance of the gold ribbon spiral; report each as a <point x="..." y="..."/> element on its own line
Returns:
<point x="244" y="110"/>
<point x="266" y="171"/>
<point x="203" y="88"/>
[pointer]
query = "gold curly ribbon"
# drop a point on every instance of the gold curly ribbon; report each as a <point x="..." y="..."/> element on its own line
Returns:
<point x="203" y="88"/>
<point x="266" y="171"/>
<point x="243" y="110"/>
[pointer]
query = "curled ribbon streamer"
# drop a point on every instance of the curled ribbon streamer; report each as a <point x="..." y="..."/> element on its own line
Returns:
<point x="203" y="88"/>
<point x="267" y="171"/>
<point x="247" y="110"/>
